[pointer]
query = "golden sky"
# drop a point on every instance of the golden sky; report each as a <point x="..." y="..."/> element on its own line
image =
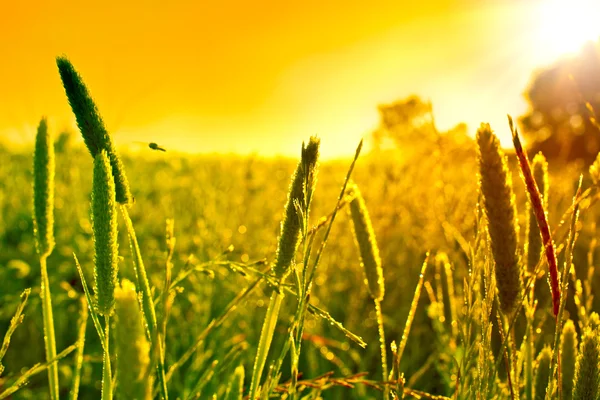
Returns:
<point x="262" y="76"/>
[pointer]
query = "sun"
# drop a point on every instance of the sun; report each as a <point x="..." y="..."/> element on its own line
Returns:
<point x="565" y="25"/>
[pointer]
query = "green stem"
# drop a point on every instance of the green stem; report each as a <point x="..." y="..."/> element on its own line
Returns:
<point x="80" y="346"/>
<point x="49" y="338"/>
<point x="106" y="369"/>
<point x="266" y="337"/>
<point x="384" y="363"/>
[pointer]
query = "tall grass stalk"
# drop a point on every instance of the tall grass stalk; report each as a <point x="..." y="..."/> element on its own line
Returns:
<point x="308" y="273"/>
<point x="555" y="368"/>
<point x="43" y="220"/>
<point x="366" y="242"/>
<point x="295" y="216"/>
<point x="107" y="383"/>
<point x="78" y="362"/>
<point x="411" y="314"/>
<point x="537" y="206"/>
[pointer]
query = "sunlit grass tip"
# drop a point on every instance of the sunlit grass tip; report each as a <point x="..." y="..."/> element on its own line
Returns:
<point x="568" y="355"/>
<point x="585" y="384"/>
<point x="131" y="345"/>
<point x="499" y="202"/>
<point x="43" y="190"/>
<point x="367" y="244"/>
<point x="104" y="224"/>
<point x="92" y="127"/>
<point x="304" y="177"/>
<point x="542" y="373"/>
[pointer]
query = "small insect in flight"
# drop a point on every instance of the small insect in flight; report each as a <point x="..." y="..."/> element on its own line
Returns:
<point x="154" y="146"/>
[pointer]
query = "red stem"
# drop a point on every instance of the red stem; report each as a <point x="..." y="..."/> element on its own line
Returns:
<point x="540" y="215"/>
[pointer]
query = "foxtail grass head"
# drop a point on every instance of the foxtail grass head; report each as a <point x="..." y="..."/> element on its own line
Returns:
<point x="542" y="373"/>
<point x="131" y="346"/>
<point x="534" y="242"/>
<point x="104" y="223"/>
<point x="499" y="201"/>
<point x="587" y="375"/>
<point x="367" y="244"/>
<point x="92" y="128"/>
<point x="568" y="354"/>
<point x="299" y="196"/>
<point x="43" y="190"/>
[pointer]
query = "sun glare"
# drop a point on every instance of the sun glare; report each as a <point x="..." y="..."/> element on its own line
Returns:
<point x="565" y="25"/>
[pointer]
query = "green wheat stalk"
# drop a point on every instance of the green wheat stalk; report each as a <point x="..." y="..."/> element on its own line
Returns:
<point x="286" y="249"/>
<point x="78" y="363"/>
<point x="43" y="220"/>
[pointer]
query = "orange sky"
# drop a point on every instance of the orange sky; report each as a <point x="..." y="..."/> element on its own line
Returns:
<point x="262" y="76"/>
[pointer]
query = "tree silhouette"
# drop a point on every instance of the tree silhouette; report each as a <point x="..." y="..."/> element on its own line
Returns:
<point x="562" y="97"/>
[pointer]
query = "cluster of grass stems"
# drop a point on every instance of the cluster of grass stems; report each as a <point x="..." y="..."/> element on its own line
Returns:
<point x="490" y="349"/>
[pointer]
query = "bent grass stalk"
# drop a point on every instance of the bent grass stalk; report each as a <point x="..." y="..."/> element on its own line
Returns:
<point x="15" y="321"/>
<point x="538" y="208"/>
<point x="43" y="219"/>
<point x="36" y="369"/>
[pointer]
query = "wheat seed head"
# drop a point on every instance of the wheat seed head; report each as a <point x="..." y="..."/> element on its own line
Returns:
<point x="499" y="201"/>
<point x="304" y="177"/>
<point x="542" y="373"/>
<point x="104" y="224"/>
<point x="43" y="190"/>
<point x="568" y="355"/>
<point x="366" y="242"/>
<point x="92" y="128"/>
